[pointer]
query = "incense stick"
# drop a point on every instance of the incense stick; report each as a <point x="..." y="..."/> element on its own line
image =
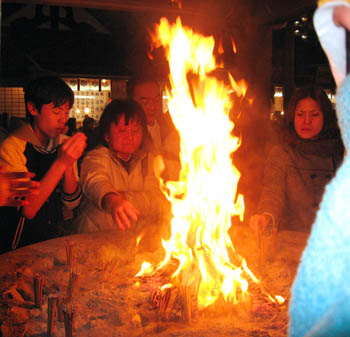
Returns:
<point x="60" y="301"/>
<point x="69" y="252"/>
<point x="186" y="294"/>
<point x="72" y="284"/>
<point x="68" y="314"/>
<point x="38" y="290"/>
<point x="51" y="314"/>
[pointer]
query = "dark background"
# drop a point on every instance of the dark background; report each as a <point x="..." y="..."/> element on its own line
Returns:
<point x="55" y="40"/>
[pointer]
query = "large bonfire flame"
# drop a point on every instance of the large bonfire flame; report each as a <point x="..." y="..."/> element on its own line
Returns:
<point x="204" y="199"/>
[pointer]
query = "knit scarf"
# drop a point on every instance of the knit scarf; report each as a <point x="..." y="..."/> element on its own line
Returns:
<point x="321" y="147"/>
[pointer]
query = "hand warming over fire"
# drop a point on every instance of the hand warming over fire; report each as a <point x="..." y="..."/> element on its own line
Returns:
<point x="121" y="209"/>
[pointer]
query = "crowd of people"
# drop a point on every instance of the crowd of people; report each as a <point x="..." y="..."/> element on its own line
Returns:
<point x="101" y="176"/>
<point x="55" y="176"/>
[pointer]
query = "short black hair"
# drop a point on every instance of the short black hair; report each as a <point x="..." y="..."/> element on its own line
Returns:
<point x="45" y="90"/>
<point x="112" y="113"/>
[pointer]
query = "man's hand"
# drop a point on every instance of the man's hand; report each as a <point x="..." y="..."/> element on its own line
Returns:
<point x="15" y="186"/>
<point x="72" y="149"/>
<point x="121" y="209"/>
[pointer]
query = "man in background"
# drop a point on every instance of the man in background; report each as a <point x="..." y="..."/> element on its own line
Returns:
<point x="165" y="137"/>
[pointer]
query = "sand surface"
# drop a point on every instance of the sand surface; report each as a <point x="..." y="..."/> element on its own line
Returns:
<point x="108" y="301"/>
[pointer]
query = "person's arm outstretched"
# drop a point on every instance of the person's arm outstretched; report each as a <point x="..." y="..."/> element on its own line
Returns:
<point x="121" y="209"/>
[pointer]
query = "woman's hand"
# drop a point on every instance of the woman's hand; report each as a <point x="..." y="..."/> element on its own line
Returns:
<point x="14" y="186"/>
<point x="260" y="223"/>
<point x="121" y="209"/>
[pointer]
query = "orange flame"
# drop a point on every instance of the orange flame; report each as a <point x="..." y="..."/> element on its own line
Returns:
<point x="204" y="199"/>
<point x="239" y="87"/>
<point x="234" y="47"/>
<point x="150" y="56"/>
<point x="145" y="269"/>
<point x="139" y="238"/>
<point x="220" y="48"/>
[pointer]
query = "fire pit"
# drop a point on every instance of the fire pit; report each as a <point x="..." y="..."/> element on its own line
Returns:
<point x="109" y="301"/>
<point x="199" y="282"/>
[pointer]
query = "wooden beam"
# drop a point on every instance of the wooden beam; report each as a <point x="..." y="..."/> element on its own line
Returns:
<point x="163" y="6"/>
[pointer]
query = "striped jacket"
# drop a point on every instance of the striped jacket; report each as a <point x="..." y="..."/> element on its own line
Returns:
<point x="21" y="151"/>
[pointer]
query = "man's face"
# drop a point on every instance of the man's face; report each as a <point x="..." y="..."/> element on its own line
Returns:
<point x="50" y="121"/>
<point x="148" y="95"/>
<point x="124" y="139"/>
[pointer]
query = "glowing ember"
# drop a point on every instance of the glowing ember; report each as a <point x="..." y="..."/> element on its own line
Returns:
<point x="204" y="199"/>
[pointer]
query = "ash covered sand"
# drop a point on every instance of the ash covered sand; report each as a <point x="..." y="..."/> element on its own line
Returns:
<point x="108" y="303"/>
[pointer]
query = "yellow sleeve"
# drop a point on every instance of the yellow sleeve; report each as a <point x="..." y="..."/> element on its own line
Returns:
<point x="12" y="155"/>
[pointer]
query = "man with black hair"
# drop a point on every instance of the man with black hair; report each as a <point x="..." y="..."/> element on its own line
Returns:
<point x="165" y="137"/>
<point x="39" y="147"/>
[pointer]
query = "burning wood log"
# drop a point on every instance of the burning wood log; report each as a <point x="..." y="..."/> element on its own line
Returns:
<point x="38" y="290"/>
<point x="172" y="302"/>
<point x="51" y="314"/>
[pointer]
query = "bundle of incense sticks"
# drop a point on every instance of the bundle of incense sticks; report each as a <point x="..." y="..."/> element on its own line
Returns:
<point x="38" y="290"/>
<point x="60" y="301"/>
<point x="70" y="252"/>
<point x="186" y="294"/>
<point x="164" y="301"/>
<point x="51" y="314"/>
<point x="72" y="284"/>
<point x="68" y="313"/>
